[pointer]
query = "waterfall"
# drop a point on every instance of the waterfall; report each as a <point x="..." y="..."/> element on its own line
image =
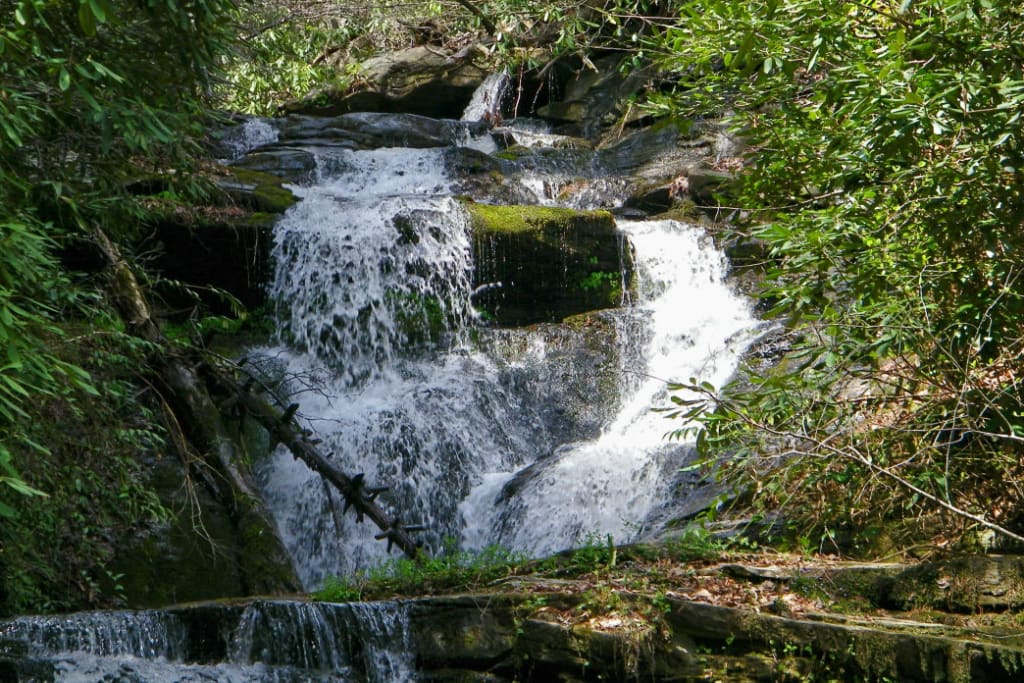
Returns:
<point x="146" y="634"/>
<point x="253" y="132"/>
<point x="696" y="327"/>
<point x="488" y="101"/>
<point x="260" y="642"/>
<point x="401" y="382"/>
<point x="373" y="294"/>
<point x="365" y="641"/>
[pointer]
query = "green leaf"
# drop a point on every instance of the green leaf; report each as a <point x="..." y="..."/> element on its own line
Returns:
<point x="21" y="487"/>
<point x="64" y="81"/>
<point x="86" y="19"/>
<point x="98" y="11"/>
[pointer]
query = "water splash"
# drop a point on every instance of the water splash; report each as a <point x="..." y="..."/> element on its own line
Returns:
<point x="252" y="133"/>
<point x="611" y="485"/>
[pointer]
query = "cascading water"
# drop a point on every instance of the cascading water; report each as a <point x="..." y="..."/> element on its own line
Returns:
<point x="379" y="335"/>
<point x="262" y="642"/>
<point x="374" y="287"/>
<point x="697" y="327"/>
<point x="402" y="382"/>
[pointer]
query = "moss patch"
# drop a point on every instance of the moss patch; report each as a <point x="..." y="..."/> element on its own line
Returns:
<point x="491" y="218"/>
<point x="259" y="191"/>
<point x="543" y="264"/>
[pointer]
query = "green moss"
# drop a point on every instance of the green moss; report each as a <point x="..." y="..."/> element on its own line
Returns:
<point x="264" y="192"/>
<point x="513" y="153"/>
<point x="420" y="317"/>
<point x="684" y="210"/>
<point x="495" y="219"/>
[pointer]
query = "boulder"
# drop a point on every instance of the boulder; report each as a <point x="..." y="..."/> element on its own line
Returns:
<point x="204" y="551"/>
<point x="290" y="164"/>
<point x="369" y="130"/>
<point x="543" y="264"/>
<point x="577" y="388"/>
<point x="599" y="99"/>
<point x="423" y="80"/>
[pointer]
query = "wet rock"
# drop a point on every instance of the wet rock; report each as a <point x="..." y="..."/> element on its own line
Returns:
<point x="225" y="247"/>
<point x="291" y="164"/>
<point x="577" y="387"/>
<point x="423" y="80"/>
<point x="536" y="264"/>
<point x="368" y="130"/>
<point x="463" y="632"/>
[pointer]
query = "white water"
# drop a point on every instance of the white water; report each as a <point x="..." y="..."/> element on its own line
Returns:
<point x="140" y="634"/>
<point x="377" y="314"/>
<point x="609" y="485"/>
<point x="252" y="133"/>
<point x="277" y="641"/>
<point x="488" y="99"/>
<point x="431" y="415"/>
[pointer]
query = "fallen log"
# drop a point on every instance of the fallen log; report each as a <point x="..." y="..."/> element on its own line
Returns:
<point x="283" y="429"/>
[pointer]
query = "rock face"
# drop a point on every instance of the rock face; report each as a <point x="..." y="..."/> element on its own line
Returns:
<point x="368" y="130"/>
<point x="578" y="387"/>
<point x="542" y="264"/>
<point x="227" y="246"/>
<point x="497" y="637"/>
<point x="203" y="552"/>
<point x="420" y="80"/>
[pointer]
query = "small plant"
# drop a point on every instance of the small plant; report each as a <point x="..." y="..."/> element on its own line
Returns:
<point x="696" y="543"/>
<point x="599" y="279"/>
<point x="450" y="570"/>
<point x="595" y="554"/>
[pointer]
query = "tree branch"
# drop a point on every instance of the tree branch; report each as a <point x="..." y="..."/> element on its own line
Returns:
<point x="478" y="13"/>
<point x="860" y="459"/>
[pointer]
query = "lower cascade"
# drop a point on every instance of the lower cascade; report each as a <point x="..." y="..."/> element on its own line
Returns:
<point x="272" y="641"/>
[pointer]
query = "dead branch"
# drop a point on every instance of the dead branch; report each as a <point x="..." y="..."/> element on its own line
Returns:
<point x="283" y="429"/>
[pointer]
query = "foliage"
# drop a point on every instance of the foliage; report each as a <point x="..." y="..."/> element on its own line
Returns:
<point x="449" y="570"/>
<point x="94" y="94"/>
<point x="885" y="176"/>
<point x="54" y="554"/>
<point x="293" y="47"/>
<point x="281" y="58"/>
<point x="30" y="286"/>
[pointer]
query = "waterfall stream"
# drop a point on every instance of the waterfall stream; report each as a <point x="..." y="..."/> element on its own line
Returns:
<point x="263" y="641"/>
<point x="399" y="377"/>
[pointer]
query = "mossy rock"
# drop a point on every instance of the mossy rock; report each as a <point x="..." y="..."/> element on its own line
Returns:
<point x="224" y="247"/>
<point x="543" y="264"/>
<point x="256" y="190"/>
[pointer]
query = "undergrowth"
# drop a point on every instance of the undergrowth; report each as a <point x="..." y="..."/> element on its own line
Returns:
<point x="454" y="570"/>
